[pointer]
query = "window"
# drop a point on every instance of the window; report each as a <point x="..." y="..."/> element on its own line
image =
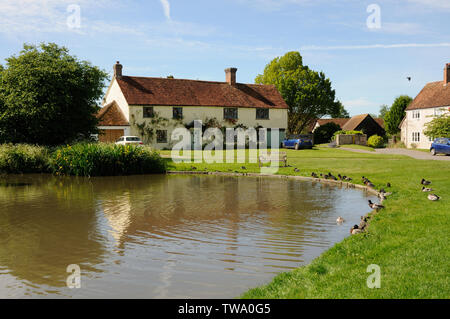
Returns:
<point x="133" y="139"/>
<point x="148" y="112"/>
<point x="177" y="113"/>
<point x="230" y="113"/>
<point x="416" y="136"/>
<point x="262" y="114"/>
<point x="416" y="114"/>
<point x="161" y="136"/>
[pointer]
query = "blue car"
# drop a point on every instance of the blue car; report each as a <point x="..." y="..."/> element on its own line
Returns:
<point x="440" y="145"/>
<point x="297" y="142"/>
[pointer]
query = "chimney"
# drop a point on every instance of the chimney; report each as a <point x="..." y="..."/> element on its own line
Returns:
<point x="447" y="74"/>
<point x="117" y="70"/>
<point x="230" y="76"/>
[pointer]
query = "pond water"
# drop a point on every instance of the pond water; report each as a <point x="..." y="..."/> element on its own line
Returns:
<point x="163" y="236"/>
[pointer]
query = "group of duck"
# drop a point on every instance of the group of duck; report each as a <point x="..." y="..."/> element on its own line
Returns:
<point x="432" y="197"/>
<point x="332" y="177"/>
<point x="356" y="229"/>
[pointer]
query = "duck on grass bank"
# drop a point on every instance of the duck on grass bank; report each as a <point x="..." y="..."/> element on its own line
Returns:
<point x="355" y="230"/>
<point x="433" y="197"/>
<point x="374" y="205"/>
<point x="426" y="189"/>
<point x="425" y="182"/>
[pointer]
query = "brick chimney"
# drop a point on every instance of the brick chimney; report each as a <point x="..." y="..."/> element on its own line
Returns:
<point x="230" y="76"/>
<point x="447" y="74"/>
<point x="117" y="70"/>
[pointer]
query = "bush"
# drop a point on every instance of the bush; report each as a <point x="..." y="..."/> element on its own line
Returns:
<point x="324" y="133"/>
<point x="375" y="141"/>
<point x="22" y="158"/>
<point x="99" y="159"/>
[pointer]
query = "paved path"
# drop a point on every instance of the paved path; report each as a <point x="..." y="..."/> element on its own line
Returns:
<point x="402" y="151"/>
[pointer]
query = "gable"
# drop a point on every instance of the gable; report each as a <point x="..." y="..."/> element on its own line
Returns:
<point x="111" y="115"/>
<point x="434" y="94"/>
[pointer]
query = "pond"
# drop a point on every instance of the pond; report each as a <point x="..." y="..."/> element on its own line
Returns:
<point x="161" y="236"/>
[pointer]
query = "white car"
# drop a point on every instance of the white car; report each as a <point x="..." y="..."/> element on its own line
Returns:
<point x="129" y="140"/>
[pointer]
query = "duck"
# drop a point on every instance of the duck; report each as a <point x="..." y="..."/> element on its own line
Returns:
<point x="355" y="230"/>
<point x="388" y="185"/>
<point x="425" y="182"/>
<point x="340" y="220"/>
<point x="243" y="167"/>
<point x="193" y="167"/>
<point x="433" y="197"/>
<point x="296" y="170"/>
<point x="381" y="196"/>
<point x="332" y="176"/>
<point x="374" y="205"/>
<point x="369" y="184"/>
<point x="426" y="189"/>
<point x="348" y="179"/>
<point x="314" y="175"/>
<point x="382" y="190"/>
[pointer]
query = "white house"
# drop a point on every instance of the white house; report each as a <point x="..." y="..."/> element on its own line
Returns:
<point x="152" y="107"/>
<point x="432" y="101"/>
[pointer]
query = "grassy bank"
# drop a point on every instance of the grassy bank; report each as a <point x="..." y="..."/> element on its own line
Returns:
<point x="83" y="159"/>
<point x="408" y="239"/>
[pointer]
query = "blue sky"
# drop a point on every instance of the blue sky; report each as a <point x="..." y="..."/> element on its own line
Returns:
<point x="198" y="39"/>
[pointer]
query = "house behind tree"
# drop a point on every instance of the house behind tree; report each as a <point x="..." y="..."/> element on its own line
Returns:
<point x="152" y="108"/>
<point x="432" y="101"/>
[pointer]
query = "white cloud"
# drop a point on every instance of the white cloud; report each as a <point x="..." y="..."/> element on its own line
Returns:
<point x="400" y="28"/>
<point x="375" y="46"/>
<point x="166" y="7"/>
<point x="361" y="106"/>
<point x="439" y="4"/>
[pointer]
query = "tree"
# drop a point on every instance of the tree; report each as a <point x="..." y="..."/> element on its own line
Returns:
<point x="48" y="96"/>
<point x="341" y="112"/>
<point x="324" y="133"/>
<point x="383" y="111"/>
<point x="396" y="114"/>
<point x="438" y="127"/>
<point x="307" y="93"/>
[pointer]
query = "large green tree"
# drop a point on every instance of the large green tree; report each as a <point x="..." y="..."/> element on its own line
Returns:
<point x="48" y="96"/>
<point x="438" y="127"/>
<point x="384" y="109"/>
<point x="396" y="114"/>
<point x="308" y="94"/>
<point x="340" y="111"/>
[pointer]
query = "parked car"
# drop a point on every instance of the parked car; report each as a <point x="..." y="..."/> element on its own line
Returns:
<point x="297" y="142"/>
<point x="440" y="145"/>
<point x="129" y="140"/>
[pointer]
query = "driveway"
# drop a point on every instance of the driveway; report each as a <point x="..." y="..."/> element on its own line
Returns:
<point x="402" y="151"/>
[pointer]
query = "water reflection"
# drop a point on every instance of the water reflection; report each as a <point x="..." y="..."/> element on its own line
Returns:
<point x="163" y="236"/>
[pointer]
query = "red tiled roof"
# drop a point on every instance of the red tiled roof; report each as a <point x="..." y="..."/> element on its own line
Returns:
<point x="339" y="121"/>
<point x="380" y="121"/>
<point x="354" y="122"/>
<point x="434" y="94"/>
<point x="177" y="92"/>
<point x="111" y="115"/>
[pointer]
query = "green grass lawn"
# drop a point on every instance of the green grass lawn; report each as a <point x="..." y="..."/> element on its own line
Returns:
<point x="359" y="147"/>
<point x="409" y="239"/>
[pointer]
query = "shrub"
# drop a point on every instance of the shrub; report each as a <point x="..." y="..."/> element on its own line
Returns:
<point x="375" y="141"/>
<point x="22" y="158"/>
<point x="324" y="133"/>
<point x="100" y="159"/>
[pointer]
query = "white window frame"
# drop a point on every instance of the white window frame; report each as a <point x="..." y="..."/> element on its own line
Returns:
<point x="416" y="114"/>
<point x="416" y="136"/>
